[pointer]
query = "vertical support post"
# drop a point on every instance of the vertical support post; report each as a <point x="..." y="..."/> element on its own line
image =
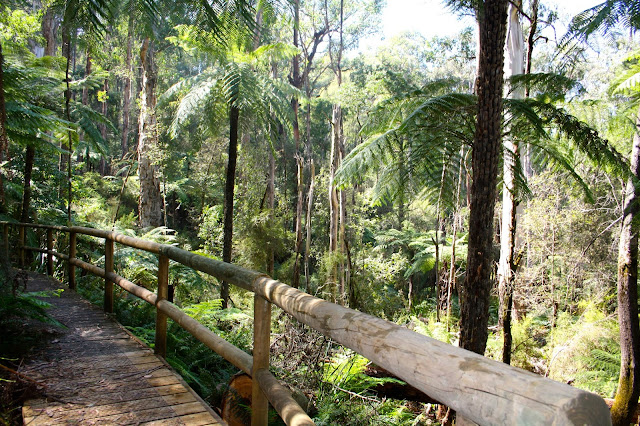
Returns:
<point x="21" y="243"/>
<point x="49" y="250"/>
<point x="161" y="319"/>
<point x="261" y="344"/>
<point x="72" y="255"/>
<point x="5" y="238"/>
<point x="108" y="268"/>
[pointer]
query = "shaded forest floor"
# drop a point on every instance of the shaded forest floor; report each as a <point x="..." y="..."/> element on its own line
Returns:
<point x="21" y="339"/>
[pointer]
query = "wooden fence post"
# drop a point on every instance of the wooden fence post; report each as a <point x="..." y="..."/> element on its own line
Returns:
<point x="49" y="250"/>
<point x="161" y="319"/>
<point x="261" y="345"/>
<point x="21" y="243"/>
<point x="108" y="268"/>
<point x="72" y="255"/>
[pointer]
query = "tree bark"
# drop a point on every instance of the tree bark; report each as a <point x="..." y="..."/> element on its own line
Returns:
<point x="126" y="98"/>
<point x="626" y="399"/>
<point x="150" y="202"/>
<point x="103" y="127"/>
<point x="334" y="203"/>
<point x="65" y="158"/>
<point x="49" y="26"/>
<point x="296" y="81"/>
<point x="234" y="118"/>
<point x="271" y="203"/>
<point x="298" y="245"/>
<point x="474" y="306"/>
<point x="307" y="249"/>
<point x="506" y="267"/>
<point x="87" y="71"/>
<point x="4" y="139"/>
<point x="29" y="156"/>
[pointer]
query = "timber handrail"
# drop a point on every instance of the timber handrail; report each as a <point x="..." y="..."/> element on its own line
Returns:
<point x="479" y="389"/>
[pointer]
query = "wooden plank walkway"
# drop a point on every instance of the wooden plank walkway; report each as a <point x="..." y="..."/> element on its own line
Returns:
<point x="97" y="374"/>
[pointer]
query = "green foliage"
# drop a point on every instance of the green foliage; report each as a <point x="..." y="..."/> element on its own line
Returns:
<point x="15" y="303"/>
<point x="574" y="352"/>
<point x="431" y="327"/>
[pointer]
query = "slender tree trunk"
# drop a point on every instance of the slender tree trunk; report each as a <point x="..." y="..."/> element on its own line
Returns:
<point x="474" y="306"/>
<point x="87" y="72"/>
<point x="103" y="127"/>
<point x="298" y="245"/>
<point x="126" y="98"/>
<point x="271" y="202"/>
<point x="85" y="102"/>
<point x="29" y="156"/>
<point x="150" y="202"/>
<point x="234" y="118"/>
<point x="4" y="140"/>
<point x="307" y="249"/>
<point x="65" y="157"/>
<point x="511" y="151"/>
<point x="296" y="81"/>
<point x="334" y="203"/>
<point x="626" y="400"/>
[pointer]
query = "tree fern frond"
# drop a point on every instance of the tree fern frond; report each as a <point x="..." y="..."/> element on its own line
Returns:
<point x="551" y="86"/>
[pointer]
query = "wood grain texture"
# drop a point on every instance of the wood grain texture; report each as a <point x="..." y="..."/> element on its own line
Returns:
<point x="482" y="390"/>
<point x="96" y="373"/>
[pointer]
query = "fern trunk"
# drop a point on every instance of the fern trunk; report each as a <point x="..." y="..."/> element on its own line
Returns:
<point x="150" y="202"/>
<point x="229" y="189"/>
<point x="476" y="290"/>
<point x="626" y="399"/>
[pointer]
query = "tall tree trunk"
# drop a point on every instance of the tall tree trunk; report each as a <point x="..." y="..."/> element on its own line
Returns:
<point x="126" y="97"/>
<point x="29" y="155"/>
<point x="626" y="399"/>
<point x="103" y="127"/>
<point x="336" y="198"/>
<point x="474" y="306"/>
<point x="229" y="188"/>
<point x="87" y="71"/>
<point x="150" y="202"/>
<point x="298" y="245"/>
<point x="85" y="102"/>
<point x="271" y="203"/>
<point x="506" y="266"/>
<point x="4" y="140"/>
<point x="49" y="24"/>
<point x="65" y="157"/>
<point x="307" y="249"/>
<point x="296" y="81"/>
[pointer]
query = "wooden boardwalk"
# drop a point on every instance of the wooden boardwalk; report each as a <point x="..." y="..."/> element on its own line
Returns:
<point x="95" y="373"/>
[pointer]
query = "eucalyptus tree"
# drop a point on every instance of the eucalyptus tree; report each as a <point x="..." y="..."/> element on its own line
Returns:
<point x="92" y="17"/>
<point x="237" y="85"/>
<point x="604" y="18"/>
<point x="507" y="265"/>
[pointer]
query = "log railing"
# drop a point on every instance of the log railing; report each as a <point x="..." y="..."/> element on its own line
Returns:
<point x="481" y="390"/>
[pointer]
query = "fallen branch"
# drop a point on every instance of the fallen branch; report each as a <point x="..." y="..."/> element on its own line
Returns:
<point x="23" y="376"/>
<point x="357" y="395"/>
